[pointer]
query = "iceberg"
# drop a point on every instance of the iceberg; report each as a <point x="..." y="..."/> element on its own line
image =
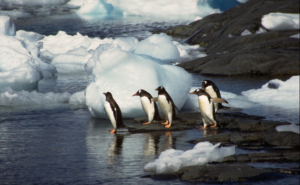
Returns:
<point x="173" y="160"/>
<point x="124" y="72"/>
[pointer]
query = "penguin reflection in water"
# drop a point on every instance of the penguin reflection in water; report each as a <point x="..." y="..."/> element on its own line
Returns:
<point x="167" y="106"/>
<point x="206" y="105"/>
<point x="113" y="112"/>
<point x="148" y="105"/>
<point x="211" y="89"/>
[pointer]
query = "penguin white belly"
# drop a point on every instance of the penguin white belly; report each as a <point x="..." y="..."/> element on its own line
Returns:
<point x="110" y="114"/>
<point x="166" y="107"/>
<point x="148" y="108"/>
<point x="206" y="109"/>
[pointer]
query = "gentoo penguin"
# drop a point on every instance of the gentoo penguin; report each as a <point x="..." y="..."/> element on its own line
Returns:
<point x="211" y="88"/>
<point x="167" y="106"/>
<point x="113" y="112"/>
<point x="206" y="105"/>
<point x="149" y="106"/>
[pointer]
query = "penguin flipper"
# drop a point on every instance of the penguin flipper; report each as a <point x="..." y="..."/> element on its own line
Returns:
<point x="223" y="107"/>
<point x="219" y="100"/>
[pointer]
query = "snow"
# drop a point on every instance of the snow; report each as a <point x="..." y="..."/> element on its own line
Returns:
<point x="280" y="21"/>
<point x="246" y="32"/>
<point x="288" y="128"/>
<point x="173" y="160"/>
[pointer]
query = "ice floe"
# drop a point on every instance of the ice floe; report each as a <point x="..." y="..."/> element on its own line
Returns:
<point x="280" y="21"/>
<point x="173" y="160"/>
<point x="277" y="93"/>
<point x="12" y="98"/>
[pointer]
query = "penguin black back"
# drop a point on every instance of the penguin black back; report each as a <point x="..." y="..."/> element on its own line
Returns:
<point x="116" y="110"/>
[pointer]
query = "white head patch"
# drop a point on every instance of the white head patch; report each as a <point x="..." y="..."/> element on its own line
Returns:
<point x="140" y="91"/>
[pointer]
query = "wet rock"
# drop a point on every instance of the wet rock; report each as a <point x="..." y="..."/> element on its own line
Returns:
<point x="282" y="138"/>
<point x="157" y="127"/>
<point x="235" y="172"/>
<point x="218" y="138"/>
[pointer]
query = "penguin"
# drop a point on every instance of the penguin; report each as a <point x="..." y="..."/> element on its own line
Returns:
<point x="113" y="112"/>
<point x="206" y="105"/>
<point x="167" y="106"/>
<point x="149" y="106"/>
<point x="211" y="88"/>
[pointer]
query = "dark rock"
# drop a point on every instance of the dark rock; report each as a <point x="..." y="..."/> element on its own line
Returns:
<point x="269" y="53"/>
<point x="282" y="138"/>
<point x="221" y="173"/>
<point x="222" y="138"/>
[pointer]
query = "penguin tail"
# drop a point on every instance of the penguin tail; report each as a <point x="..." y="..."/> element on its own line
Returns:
<point x="223" y="107"/>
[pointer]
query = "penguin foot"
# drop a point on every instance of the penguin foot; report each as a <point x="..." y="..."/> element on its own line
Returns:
<point x="202" y="128"/>
<point x="165" y="123"/>
<point x="112" y="131"/>
<point x="168" y="125"/>
<point x="168" y="134"/>
<point x="146" y="123"/>
<point x="214" y="125"/>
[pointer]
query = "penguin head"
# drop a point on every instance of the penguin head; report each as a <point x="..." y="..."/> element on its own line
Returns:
<point x="206" y="83"/>
<point x="139" y="92"/>
<point x="160" y="89"/>
<point x="199" y="92"/>
<point x="108" y="95"/>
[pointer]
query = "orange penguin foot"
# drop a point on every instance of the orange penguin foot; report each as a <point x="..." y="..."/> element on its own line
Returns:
<point x="204" y="127"/>
<point x="165" y="123"/>
<point x="168" y="125"/>
<point x="112" y="131"/>
<point x="214" y="125"/>
<point x="146" y="123"/>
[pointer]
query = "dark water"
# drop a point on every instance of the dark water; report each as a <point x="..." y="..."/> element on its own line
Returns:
<point x="59" y="144"/>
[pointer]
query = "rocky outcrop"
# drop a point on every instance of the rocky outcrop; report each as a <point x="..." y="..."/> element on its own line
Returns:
<point x="231" y="53"/>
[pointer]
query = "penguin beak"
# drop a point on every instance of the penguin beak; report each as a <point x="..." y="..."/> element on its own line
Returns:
<point x="104" y="93"/>
<point x="192" y="93"/>
<point x="134" y="95"/>
<point x="156" y="89"/>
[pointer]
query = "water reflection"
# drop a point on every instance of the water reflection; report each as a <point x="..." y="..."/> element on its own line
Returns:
<point x="209" y="132"/>
<point x="114" y="148"/>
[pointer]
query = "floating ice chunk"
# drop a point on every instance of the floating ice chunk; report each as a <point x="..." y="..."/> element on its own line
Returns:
<point x="72" y="62"/>
<point x="123" y="73"/>
<point x="172" y="160"/>
<point x="7" y="27"/>
<point x="286" y="95"/>
<point x="18" y="68"/>
<point x="12" y="98"/>
<point x="288" y="128"/>
<point x="95" y="7"/>
<point x="280" y="21"/>
<point x="158" y="46"/>
<point x="246" y="32"/>
<point x="62" y="42"/>
<point x="125" y="43"/>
